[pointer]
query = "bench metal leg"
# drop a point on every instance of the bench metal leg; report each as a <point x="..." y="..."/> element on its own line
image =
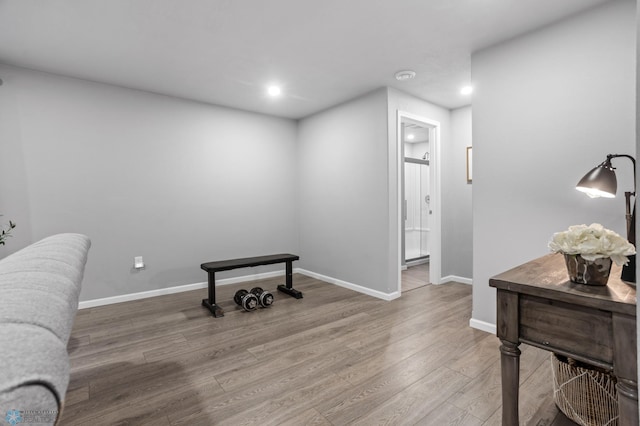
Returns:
<point x="288" y="289"/>
<point x="210" y="302"/>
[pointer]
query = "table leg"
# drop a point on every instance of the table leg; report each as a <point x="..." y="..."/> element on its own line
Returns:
<point x="510" y="366"/>
<point x="627" y="402"/>
<point x="625" y="367"/>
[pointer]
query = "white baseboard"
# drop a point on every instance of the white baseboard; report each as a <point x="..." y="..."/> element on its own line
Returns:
<point x="196" y="286"/>
<point x="351" y="286"/>
<point x="457" y="279"/>
<point x="226" y="281"/>
<point x="482" y="325"/>
<point x="177" y="289"/>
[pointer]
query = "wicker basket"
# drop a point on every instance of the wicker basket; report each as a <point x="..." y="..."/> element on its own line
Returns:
<point x="585" y="394"/>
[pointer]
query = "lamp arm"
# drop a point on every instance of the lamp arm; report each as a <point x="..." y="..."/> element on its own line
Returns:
<point x="633" y="160"/>
<point x="630" y="215"/>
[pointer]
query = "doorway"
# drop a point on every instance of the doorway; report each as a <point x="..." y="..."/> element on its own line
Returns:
<point x="418" y="147"/>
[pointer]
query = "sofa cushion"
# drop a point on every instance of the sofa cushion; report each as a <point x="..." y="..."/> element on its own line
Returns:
<point x="40" y="284"/>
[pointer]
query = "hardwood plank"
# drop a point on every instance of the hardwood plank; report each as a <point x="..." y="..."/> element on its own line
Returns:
<point x="272" y="411"/>
<point x="335" y="328"/>
<point x="309" y="417"/>
<point x="477" y="358"/>
<point x="271" y="388"/>
<point x="365" y="397"/>
<point x="415" y="276"/>
<point x="334" y="357"/>
<point x="76" y="395"/>
<point x="366" y="369"/>
<point x="388" y="333"/>
<point x="205" y="370"/>
<point x="415" y="401"/>
<point x="126" y="351"/>
<point x="294" y="358"/>
<point x="147" y="406"/>
<point x="436" y="345"/>
<point x="536" y="388"/>
<point x="482" y="396"/>
<point x="449" y="415"/>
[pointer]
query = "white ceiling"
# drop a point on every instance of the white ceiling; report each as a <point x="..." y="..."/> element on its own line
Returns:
<point x="225" y="52"/>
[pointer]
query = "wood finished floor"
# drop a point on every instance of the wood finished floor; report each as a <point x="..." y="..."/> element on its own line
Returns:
<point x="336" y="357"/>
<point x="415" y="277"/>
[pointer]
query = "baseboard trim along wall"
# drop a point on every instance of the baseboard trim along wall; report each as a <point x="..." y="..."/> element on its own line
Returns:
<point x="351" y="286"/>
<point x="482" y="325"/>
<point x="176" y="289"/>
<point x="226" y="281"/>
<point x="457" y="279"/>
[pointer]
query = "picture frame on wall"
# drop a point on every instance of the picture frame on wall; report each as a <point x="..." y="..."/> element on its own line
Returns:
<point x="469" y="164"/>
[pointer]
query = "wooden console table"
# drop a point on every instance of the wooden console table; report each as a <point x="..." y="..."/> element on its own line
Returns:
<point x="539" y="306"/>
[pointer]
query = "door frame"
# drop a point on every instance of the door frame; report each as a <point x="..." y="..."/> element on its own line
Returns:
<point x="435" y="256"/>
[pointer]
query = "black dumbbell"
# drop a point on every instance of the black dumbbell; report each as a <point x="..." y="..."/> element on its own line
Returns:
<point x="265" y="298"/>
<point x="248" y="301"/>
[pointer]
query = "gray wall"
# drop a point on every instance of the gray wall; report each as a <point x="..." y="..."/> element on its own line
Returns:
<point x="548" y="107"/>
<point x="458" y="260"/>
<point x="181" y="182"/>
<point x="342" y="190"/>
<point x="175" y="181"/>
<point x="348" y="190"/>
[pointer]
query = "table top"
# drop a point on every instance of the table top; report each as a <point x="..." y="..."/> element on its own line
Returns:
<point x="547" y="277"/>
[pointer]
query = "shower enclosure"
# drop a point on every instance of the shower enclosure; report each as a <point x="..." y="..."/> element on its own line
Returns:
<point x="417" y="200"/>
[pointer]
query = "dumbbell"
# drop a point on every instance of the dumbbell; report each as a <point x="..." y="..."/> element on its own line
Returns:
<point x="248" y="301"/>
<point x="265" y="298"/>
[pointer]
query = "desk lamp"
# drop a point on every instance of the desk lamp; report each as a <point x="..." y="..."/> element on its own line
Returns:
<point x="601" y="182"/>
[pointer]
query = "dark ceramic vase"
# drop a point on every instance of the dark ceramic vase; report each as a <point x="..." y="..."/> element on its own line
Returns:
<point x="591" y="272"/>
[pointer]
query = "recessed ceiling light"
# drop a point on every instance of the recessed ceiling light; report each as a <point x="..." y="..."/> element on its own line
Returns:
<point x="274" y="91"/>
<point x="410" y="136"/>
<point x="405" y="75"/>
<point x="466" y="90"/>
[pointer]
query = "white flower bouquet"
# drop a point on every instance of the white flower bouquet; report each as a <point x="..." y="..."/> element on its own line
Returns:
<point x="592" y="242"/>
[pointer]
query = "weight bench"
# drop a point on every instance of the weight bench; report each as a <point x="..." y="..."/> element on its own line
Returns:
<point x="225" y="265"/>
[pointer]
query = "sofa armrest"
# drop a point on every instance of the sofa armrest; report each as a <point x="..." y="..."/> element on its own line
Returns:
<point x="37" y="369"/>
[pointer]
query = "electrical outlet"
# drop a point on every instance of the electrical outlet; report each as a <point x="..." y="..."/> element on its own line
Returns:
<point x="138" y="263"/>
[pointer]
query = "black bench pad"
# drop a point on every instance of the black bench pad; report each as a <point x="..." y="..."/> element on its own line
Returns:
<point x="226" y="265"/>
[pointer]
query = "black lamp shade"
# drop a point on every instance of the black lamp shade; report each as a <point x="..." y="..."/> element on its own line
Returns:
<point x="599" y="182"/>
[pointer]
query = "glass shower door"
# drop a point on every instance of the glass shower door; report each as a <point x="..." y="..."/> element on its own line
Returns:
<point x="417" y="209"/>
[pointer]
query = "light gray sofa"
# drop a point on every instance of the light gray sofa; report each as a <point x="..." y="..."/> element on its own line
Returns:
<point x="39" y="290"/>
